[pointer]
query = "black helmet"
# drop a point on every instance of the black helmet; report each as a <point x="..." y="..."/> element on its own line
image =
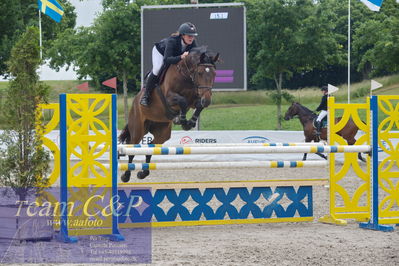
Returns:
<point x="188" y="28"/>
<point x="324" y="88"/>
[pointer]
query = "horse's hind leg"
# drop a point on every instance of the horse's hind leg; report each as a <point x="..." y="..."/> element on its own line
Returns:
<point x="359" y="155"/>
<point x="304" y="156"/>
<point x="322" y="155"/>
<point x="126" y="175"/>
<point x="144" y="173"/>
<point x="161" y="133"/>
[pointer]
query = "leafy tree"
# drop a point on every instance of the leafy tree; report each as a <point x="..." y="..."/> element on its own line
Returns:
<point x="18" y="14"/>
<point x="110" y="47"/>
<point x="23" y="161"/>
<point x="376" y="41"/>
<point x="289" y="37"/>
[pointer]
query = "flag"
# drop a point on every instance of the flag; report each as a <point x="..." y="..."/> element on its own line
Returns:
<point x="374" y="5"/>
<point x="51" y="8"/>
<point x="83" y="86"/>
<point x="332" y="89"/>
<point x="110" y="83"/>
<point x="375" y="85"/>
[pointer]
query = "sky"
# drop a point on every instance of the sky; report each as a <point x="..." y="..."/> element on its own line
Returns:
<point x="86" y="12"/>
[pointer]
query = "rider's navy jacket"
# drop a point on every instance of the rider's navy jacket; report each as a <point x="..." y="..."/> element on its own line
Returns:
<point x="171" y="49"/>
<point x="323" y="104"/>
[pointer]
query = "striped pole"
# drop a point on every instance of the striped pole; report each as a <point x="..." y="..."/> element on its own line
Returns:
<point x="121" y="146"/>
<point x="219" y="165"/>
<point x="244" y="150"/>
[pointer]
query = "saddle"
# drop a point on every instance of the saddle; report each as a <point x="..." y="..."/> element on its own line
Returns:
<point x="323" y="122"/>
<point x="162" y="74"/>
<point x="169" y="112"/>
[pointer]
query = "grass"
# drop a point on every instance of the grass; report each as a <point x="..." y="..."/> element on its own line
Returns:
<point x="245" y="110"/>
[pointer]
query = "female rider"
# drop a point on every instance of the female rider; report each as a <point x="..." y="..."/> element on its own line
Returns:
<point x="322" y="108"/>
<point x="169" y="51"/>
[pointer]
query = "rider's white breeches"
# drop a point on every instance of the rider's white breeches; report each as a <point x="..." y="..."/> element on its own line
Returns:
<point x="157" y="61"/>
<point x="322" y="114"/>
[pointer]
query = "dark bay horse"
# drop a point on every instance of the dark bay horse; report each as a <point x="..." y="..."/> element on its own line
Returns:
<point x="306" y="116"/>
<point x="186" y="85"/>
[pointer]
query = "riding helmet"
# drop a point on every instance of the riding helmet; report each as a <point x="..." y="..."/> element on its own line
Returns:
<point x="188" y="28"/>
<point x="324" y="88"/>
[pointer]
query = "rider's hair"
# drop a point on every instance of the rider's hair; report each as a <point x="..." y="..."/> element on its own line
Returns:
<point x="174" y="34"/>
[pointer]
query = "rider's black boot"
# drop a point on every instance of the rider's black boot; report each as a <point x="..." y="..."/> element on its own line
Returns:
<point x="149" y="87"/>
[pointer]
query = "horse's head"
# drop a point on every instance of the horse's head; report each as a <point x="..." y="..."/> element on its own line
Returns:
<point x="296" y="109"/>
<point x="201" y="65"/>
<point x="292" y="111"/>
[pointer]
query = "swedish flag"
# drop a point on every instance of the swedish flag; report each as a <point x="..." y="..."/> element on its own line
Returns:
<point x="51" y="8"/>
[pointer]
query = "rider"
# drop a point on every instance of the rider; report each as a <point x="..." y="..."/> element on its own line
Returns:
<point x="322" y="108"/>
<point x="169" y="51"/>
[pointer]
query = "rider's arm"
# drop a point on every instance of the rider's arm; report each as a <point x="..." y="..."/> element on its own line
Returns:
<point x="323" y="104"/>
<point x="169" y="55"/>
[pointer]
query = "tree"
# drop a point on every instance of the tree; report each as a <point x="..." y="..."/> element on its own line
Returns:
<point x="18" y="14"/>
<point x="23" y="160"/>
<point x="289" y="37"/>
<point x="110" y="47"/>
<point x="376" y="41"/>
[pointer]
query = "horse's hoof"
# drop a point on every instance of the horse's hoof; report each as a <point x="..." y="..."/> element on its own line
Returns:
<point x="126" y="176"/>
<point x="143" y="174"/>
<point x="188" y="125"/>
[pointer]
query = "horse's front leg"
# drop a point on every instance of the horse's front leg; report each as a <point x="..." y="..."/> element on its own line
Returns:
<point x="126" y="175"/>
<point x="144" y="173"/>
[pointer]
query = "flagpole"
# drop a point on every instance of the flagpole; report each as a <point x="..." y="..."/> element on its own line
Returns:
<point x="349" y="51"/>
<point x="40" y="33"/>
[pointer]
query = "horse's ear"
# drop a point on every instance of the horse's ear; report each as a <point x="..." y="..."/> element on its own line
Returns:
<point x="215" y="58"/>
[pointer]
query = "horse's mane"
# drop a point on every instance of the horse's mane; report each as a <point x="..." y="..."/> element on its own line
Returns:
<point x="196" y="53"/>
<point x="306" y="109"/>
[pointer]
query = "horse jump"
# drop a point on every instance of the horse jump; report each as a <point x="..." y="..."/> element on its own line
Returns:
<point x="335" y="188"/>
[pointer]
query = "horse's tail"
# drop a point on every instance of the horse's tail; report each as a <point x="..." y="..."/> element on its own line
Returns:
<point x="125" y="135"/>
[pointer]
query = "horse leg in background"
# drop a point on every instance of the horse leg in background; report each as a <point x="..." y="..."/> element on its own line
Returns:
<point x="161" y="133"/>
<point x="352" y="141"/>
<point x="193" y="120"/>
<point x="182" y="120"/>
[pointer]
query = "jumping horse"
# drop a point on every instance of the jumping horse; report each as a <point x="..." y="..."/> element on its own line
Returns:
<point x="307" y="117"/>
<point x="187" y="84"/>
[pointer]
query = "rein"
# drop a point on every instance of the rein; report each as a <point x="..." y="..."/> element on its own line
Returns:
<point x="192" y="76"/>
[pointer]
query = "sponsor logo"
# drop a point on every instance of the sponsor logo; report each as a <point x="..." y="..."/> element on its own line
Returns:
<point x="186" y="140"/>
<point x="205" y="141"/>
<point x="256" y="139"/>
<point x="147" y="139"/>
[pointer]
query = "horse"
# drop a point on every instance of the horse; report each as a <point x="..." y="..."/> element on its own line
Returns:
<point x="306" y="116"/>
<point x="187" y="84"/>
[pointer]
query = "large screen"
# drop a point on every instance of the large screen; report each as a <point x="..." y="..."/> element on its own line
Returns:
<point x="220" y="27"/>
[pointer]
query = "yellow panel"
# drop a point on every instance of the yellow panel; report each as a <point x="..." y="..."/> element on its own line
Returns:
<point x="388" y="172"/>
<point x="346" y="204"/>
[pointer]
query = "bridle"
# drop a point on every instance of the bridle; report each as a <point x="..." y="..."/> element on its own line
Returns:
<point x="188" y="74"/>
